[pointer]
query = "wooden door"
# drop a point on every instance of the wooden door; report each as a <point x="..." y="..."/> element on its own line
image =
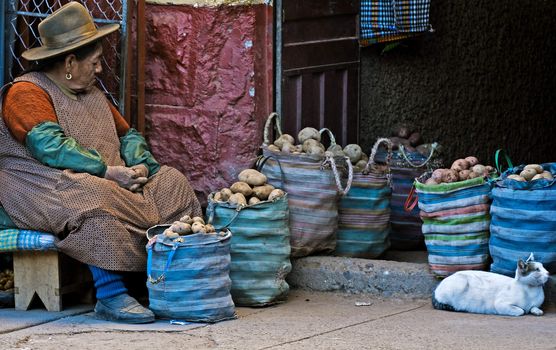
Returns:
<point x="317" y="56"/>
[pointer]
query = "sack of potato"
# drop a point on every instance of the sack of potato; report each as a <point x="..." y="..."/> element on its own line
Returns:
<point x="364" y="212"/>
<point x="189" y="275"/>
<point x="523" y="215"/>
<point x="462" y="169"/>
<point x="410" y="158"/>
<point x="260" y="246"/>
<point x="313" y="180"/>
<point x="455" y="215"/>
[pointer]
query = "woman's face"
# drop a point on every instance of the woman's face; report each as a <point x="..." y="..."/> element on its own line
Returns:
<point x="84" y="71"/>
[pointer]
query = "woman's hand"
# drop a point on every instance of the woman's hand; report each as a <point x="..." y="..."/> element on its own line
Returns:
<point x="125" y="177"/>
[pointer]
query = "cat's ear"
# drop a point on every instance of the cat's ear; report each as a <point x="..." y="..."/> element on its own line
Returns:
<point x="521" y="265"/>
<point x="530" y="258"/>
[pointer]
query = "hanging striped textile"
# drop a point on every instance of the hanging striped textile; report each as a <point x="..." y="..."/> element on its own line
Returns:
<point x="391" y="20"/>
<point x="523" y="221"/>
<point x="455" y="225"/>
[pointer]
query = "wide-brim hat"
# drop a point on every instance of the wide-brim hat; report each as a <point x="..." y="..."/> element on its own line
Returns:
<point x="66" y="29"/>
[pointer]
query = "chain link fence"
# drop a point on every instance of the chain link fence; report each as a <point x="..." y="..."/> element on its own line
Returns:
<point x="21" y="19"/>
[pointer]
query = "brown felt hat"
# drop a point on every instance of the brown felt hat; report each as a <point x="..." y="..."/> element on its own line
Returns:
<point x="66" y="29"/>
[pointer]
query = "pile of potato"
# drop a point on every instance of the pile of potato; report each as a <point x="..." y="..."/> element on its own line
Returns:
<point x="532" y="172"/>
<point x="188" y="225"/>
<point x="461" y="170"/>
<point x="411" y="139"/>
<point x="308" y="142"/>
<point x="6" y="280"/>
<point x="250" y="189"/>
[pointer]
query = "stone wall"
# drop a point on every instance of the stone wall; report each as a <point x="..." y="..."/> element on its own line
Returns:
<point x="485" y="79"/>
<point x="208" y="88"/>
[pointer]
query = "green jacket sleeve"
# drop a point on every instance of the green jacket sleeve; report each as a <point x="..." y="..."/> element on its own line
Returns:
<point x="134" y="150"/>
<point x="50" y="146"/>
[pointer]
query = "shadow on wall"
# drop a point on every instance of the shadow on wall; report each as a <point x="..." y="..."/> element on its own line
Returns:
<point x="484" y="80"/>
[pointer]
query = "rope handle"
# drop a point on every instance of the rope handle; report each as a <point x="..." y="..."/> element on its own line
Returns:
<point x="332" y="162"/>
<point x="261" y="161"/>
<point x="411" y="200"/>
<point x="330" y="135"/>
<point x="434" y="145"/>
<point x="497" y="160"/>
<point x="273" y="116"/>
<point x="166" y="267"/>
<point x="374" y="151"/>
<point x="211" y="210"/>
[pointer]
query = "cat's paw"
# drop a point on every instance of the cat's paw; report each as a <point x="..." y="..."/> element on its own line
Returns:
<point x="536" y="311"/>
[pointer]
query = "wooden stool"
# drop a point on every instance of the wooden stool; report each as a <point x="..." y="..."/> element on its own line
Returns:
<point x="39" y="273"/>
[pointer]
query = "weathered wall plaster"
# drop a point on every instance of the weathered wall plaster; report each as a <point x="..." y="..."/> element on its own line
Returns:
<point x="483" y="80"/>
<point x="208" y="89"/>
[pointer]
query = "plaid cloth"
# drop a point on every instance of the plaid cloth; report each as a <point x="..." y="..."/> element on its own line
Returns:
<point x="391" y="20"/>
<point x="16" y="240"/>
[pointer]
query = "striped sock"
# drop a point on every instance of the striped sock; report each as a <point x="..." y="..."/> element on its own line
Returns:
<point x="107" y="283"/>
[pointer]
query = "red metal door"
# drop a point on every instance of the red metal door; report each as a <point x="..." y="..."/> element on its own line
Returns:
<point x="318" y="66"/>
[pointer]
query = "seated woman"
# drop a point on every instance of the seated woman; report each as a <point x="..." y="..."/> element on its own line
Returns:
<point x="71" y="165"/>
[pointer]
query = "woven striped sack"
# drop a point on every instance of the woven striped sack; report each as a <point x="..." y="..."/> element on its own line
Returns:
<point x="523" y="221"/>
<point x="405" y="230"/>
<point x="260" y="249"/>
<point x="456" y="223"/>
<point x="313" y="184"/>
<point x="364" y="212"/>
<point x="189" y="280"/>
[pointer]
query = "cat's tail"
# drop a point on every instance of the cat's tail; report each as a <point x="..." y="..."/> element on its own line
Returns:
<point x="441" y="306"/>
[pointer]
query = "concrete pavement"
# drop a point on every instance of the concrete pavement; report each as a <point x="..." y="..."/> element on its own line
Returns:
<point x="369" y="308"/>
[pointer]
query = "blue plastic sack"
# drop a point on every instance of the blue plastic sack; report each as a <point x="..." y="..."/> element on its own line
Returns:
<point x="189" y="280"/>
<point x="523" y="221"/>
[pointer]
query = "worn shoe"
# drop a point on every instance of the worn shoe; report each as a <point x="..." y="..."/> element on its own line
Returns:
<point x="123" y="308"/>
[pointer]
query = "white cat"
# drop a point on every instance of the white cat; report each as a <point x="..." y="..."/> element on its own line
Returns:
<point x="491" y="293"/>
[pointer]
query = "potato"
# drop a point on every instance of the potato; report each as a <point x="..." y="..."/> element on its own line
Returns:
<point x="181" y="227"/>
<point x="253" y="200"/>
<point x="277" y="193"/>
<point x="198" y="227"/>
<point x="170" y="234"/>
<point x="361" y="164"/>
<point x="516" y="177"/>
<point x="547" y="175"/>
<point x="528" y="174"/>
<point x="438" y="175"/>
<point x="273" y="148"/>
<point x="262" y="192"/>
<point x="198" y="219"/>
<point x="237" y="199"/>
<point x="186" y="219"/>
<point x="252" y="177"/>
<point x="431" y="181"/>
<point x="538" y="177"/>
<point x="464" y="174"/>
<point x="364" y="157"/>
<point x="217" y="197"/>
<point x="310" y="143"/>
<point x="473" y="175"/>
<point x="479" y="169"/>
<point x="490" y="169"/>
<point x="226" y="194"/>
<point x="451" y="175"/>
<point x="241" y="187"/>
<point x="538" y="168"/>
<point x="354" y="152"/>
<point x="315" y="150"/>
<point x="415" y="139"/>
<point x="472" y="161"/>
<point x="308" y="133"/>
<point x="283" y="139"/>
<point x="288" y="147"/>
<point x="209" y="228"/>
<point x="460" y="164"/>
<point x="403" y="131"/>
